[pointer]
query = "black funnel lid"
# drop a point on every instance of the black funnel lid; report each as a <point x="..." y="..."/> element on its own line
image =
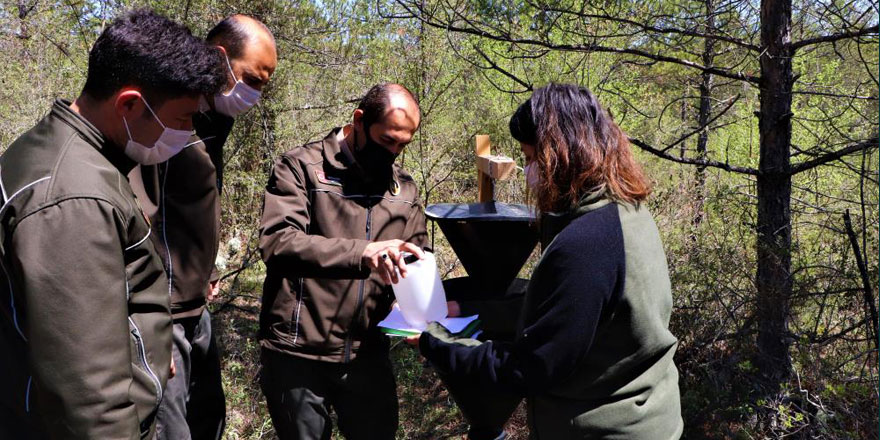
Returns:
<point x="493" y="240"/>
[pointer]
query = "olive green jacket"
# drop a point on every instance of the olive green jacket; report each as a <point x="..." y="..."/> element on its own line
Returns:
<point x="85" y="325"/>
<point x="593" y="354"/>
<point x="319" y="301"/>
<point x="181" y="198"/>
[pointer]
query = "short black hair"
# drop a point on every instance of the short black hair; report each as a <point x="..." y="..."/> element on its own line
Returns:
<point x="375" y="102"/>
<point x="144" y="49"/>
<point x="231" y="34"/>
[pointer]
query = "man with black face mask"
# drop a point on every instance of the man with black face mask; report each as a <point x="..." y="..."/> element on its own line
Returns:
<point x="374" y="160"/>
<point x="337" y="218"/>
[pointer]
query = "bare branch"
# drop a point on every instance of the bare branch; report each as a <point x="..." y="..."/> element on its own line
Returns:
<point x="319" y="106"/>
<point x="659" y="30"/>
<point x="863" y="272"/>
<point x="813" y="163"/>
<point x="699" y="162"/>
<point x="588" y="47"/>
<point x="834" y="95"/>
<point x="835" y="37"/>
<point x="493" y="65"/>
<point x="704" y="126"/>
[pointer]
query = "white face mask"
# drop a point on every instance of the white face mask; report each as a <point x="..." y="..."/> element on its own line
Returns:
<point x="238" y="100"/>
<point x="531" y="172"/>
<point x="169" y="143"/>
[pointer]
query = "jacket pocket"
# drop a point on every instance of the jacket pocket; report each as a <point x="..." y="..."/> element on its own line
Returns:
<point x="143" y="374"/>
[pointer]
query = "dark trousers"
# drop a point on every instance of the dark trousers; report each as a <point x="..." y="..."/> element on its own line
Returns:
<point x="193" y="406"/>
<point x="300" y="392"/>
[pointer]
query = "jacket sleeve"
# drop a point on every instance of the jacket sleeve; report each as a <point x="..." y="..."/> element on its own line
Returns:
<point x="69" y="260"/>
<point x="213" y="130"/>
<point x="497" y="316"/>
<point x="556" y="334"/>
<point x="416" y="231"/>
<point x="284" y="239"/>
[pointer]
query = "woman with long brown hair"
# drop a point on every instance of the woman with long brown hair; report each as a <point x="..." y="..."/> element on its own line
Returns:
<point x="593" y="352"/>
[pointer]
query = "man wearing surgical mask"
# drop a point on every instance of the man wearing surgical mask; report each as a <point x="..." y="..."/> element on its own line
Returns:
<point x="181" y="196"/>
<point x="85" y="322"/>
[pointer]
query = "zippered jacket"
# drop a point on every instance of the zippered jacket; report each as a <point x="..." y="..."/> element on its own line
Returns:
<point x="319" y="301"/>
<point x="593" y="353"/>
<point x="181" y="197"/>
<point x="85" y="324"/>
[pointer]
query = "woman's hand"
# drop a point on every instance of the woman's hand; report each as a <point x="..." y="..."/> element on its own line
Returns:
<point x="413" y="340"/>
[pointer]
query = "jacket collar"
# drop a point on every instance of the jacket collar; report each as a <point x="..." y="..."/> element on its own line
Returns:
<point x="333" y="154"/>
<point x="115" y="155"/>
<point x="344" y="161"/>
<point x="591" y="201"/>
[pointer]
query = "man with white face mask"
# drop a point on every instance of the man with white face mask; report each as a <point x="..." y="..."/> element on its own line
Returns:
<point x="85" y="322"/>
<point x="181" y="196"/>
<point x="170" y="142"/>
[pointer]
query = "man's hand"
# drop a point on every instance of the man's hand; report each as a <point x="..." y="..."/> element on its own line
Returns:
<point x="172" y="371"/>
<point x="213" y="290"/>
<point x="383" y="257"/>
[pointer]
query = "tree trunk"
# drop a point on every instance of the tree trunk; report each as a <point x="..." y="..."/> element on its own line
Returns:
<point x="705" y="113"/>
<point x="773" y="278"/>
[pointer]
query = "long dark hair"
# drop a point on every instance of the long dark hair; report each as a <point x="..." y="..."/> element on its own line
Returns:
<point x="578" y="148"/>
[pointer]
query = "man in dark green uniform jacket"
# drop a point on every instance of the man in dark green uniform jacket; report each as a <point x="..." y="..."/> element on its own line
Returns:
<point x="182" y="198"/>
<point x="85" y="326"/>
<point x="337" y="215"/>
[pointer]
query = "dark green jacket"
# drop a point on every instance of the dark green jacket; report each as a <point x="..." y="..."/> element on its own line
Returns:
<point x="319" y="301"/>
<point x="593" y="353"/>
<point x="181" y="197"/>
<point x="85" y="325"/>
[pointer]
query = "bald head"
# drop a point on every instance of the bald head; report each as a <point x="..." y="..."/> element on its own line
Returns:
<point x="383" y="99"/>
<point x="236" y="32"/>
<point x="388" y="114"/>
<point x="250" y="47"/>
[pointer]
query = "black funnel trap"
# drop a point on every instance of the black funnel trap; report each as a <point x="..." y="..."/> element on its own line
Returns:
<point x="492" y="239"/>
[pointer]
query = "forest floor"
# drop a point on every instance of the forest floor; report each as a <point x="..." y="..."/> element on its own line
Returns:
<point x="426" y="409"/>
<point x="717" y="388"/>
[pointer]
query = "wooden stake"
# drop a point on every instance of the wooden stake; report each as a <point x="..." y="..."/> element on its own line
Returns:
<point x="484" y="181"/>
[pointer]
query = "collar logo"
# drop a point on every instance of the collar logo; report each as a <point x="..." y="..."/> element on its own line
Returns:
<point x="323" y="178"/>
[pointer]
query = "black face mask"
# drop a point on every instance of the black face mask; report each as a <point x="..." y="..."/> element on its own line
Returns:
<point x="374" y="159"/>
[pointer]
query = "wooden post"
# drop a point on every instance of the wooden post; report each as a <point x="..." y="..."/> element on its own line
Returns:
<point x="484" y="181"/>
<point x="490" y="168"/>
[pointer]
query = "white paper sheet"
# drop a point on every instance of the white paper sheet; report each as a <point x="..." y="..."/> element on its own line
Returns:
<point x="395" y="321"/>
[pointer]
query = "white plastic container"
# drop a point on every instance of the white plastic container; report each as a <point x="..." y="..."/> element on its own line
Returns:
<point x="420" y="295"/>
